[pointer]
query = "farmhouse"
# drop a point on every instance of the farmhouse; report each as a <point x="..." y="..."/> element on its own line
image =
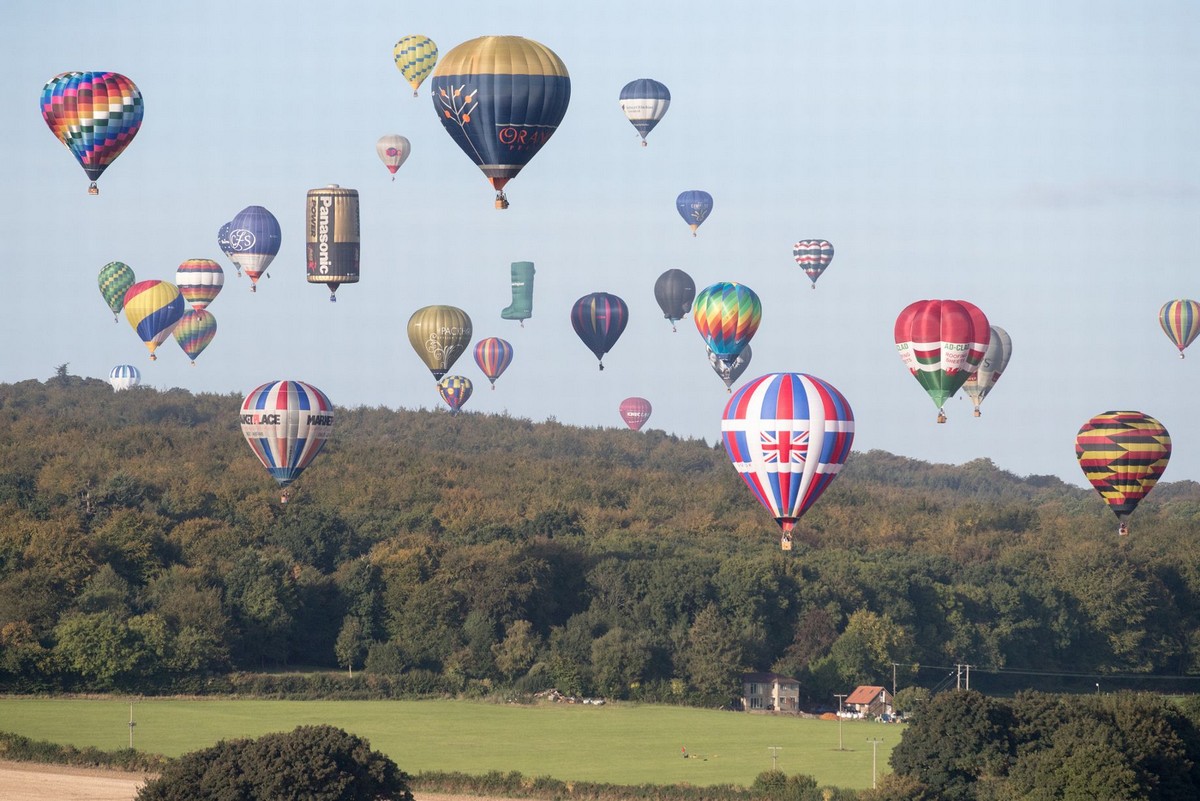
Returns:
<point x="867" y="702"/>
<point x="770" y="692"/>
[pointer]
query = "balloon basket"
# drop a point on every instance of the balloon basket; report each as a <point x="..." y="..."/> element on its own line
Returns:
<point x="977" y="413"/>
<point x="785" y="542"/>
<point x="93" y="189"/>
<point x="941" y="418"/>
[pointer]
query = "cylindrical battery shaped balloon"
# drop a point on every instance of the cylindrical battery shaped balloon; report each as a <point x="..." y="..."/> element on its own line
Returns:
<point x="331" y="234"/>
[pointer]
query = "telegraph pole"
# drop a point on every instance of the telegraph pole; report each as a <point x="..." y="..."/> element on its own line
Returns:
<point x="894" y="666"/>
<point x="131" y="725"/>
<point x="874" y="741"/>
<point x="840" y="697"/>
<point x="774" y="749"/>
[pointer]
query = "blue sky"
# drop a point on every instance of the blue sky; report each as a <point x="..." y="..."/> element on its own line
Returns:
<point x="1038" y="159"/>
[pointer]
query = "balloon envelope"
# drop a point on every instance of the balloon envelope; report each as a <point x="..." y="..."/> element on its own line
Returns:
<point x="200" y="281"/>
<point x="254" y="238"/>
<point x="675" y="290"/>
<point x="941" y="342"/>
<point x="501" y="98"/>
<point x="1180" y="321"/>
<point x="95" y="114"/>
<point x="813" y="256"/>
<point x="694" y="206"/>
<point x="153" y="309"/>
<point x="455" y="391"/>
<point x="286" y="424"/>
<point x="1123" y="454"/>
<point x="788" y="435"/>
<point x="645" y="101"/>
<point x="415" y="57"/>
<point x="393" y="151"/>
<point x="439" y="335"/>
<point x="124" y="376"/>
<point x="226" y="246"/>
<point x="493" y="355"/>
<point x="195" y="331"/>
<point x="521" y="307"/>
<point x="995" y="360"/>
<point x="732" y="372"/>
<point x="727" y="315"/>
<point x="635" y="412"/>
<point x="599" y="319"/>
<point x="115" y="279"/>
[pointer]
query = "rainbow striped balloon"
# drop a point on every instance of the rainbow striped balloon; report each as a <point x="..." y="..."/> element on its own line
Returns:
<point x="727" y="315"/>
<point x="788" y="435"/>
<point x="493" y="355"/>
<point x="195" y="331"/>
<point x="153" y="309"/>
<point x="286" y="424"/>
<point x="200" y="281"/>
<point x="1180" y="321"/>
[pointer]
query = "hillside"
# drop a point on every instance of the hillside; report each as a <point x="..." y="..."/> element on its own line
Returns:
<point x="141" y="544"/>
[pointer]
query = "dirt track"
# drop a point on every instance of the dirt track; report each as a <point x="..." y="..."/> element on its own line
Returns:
<point x="27" y="781"/>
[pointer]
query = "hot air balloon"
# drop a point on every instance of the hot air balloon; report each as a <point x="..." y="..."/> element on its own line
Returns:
<point x="153" y="309"/>
<point x="941" y="342"/>
<point x="1180" y="321"/>
<point x="733" y="372"/>
<point x="254" y="238"/>
<point x="331" y="239"/>
<point x="813" y="256"/>
<point x="455" y="391"/>
<point x="727" y="314"/>
<point x="124" y="376"/>
<point x="95" y="114"/>
<point x="645" y="102"/>
<point x="195" y="331"/>
<point x="415" y="57"/>
<point x="286" y="424"/>
<point x="501" y="98"/>
<point x="694" y="207"/>
<point x="493" y="356"/>
<point x="788" y="435"/>
<point x="521" y="308"/>
<point x="393" y="150"/>
<point x="115" y="279"/>
<point x="599" y="319"/>
<point x="226" y="247"/>
<point x="635" y="412"/>
<point x="1123" y="454"/>
<point x="200" y="281"/>
<point x="995" y="359"/>
<point x="439" y="335"/>
<point x="675" y="290"/>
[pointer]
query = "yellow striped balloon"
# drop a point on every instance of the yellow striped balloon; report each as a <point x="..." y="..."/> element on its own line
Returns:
<point x="1123" y="454"/>
<point x="1180" y="321"/>
<point x="153" y="309"/>
<point x="415" y="56"/>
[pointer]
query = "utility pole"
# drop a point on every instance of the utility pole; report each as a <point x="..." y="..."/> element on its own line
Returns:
<point x="131" y="725"/>
<point x="874" y="741"/>
<point x="894" y="666"/>
<point x="774" y="749"/>
<point x="840" y="697"/>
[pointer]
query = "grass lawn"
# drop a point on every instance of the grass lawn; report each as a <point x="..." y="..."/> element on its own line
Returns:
<point x="616" y="743"/>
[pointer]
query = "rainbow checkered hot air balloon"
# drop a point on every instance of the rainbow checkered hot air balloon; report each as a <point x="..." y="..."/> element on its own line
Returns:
<point x="195" y="331"/>
<point x="153" y="309"/>
<point x="415" y="57"/>
<point x="941" y="342"/>
<point x="812" y="256"/>
<point x="286" y="424"/>
<point x="788" y="435"/>
<point x="493" y="355"/>
<point x="1123" y="454"/>
<point x="727" y="314"/>
<point x="455" y="391"/>
<point x="599" y="319"/>
<point x="115" y="279"/>
<point x="95" y="114"/>
<point x="1180" y="321"/>
<point x="200" y="281"/>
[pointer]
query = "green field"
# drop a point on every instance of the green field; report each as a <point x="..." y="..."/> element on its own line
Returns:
<point x="615" y="743"/>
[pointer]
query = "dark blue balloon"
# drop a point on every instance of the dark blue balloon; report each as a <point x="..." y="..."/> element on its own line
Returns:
<point x="254" y="239"/>
<point x="599" y="319"/>
<point x="694" y="207"/>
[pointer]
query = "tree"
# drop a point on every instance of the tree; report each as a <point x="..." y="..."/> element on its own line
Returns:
<point x="517" y="651"/>
<point x="310" y="763"/>
<point x="713" y="658"/>
<point x="351" y="645"/>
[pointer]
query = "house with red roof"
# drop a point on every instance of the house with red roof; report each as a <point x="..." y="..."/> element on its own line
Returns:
<point x="869" y="702"/>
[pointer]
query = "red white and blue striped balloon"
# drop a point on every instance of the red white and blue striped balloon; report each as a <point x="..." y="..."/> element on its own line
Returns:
<point x="200" y="281"/>
<point x="286" y="424"/>
<point x="788" y="435"/>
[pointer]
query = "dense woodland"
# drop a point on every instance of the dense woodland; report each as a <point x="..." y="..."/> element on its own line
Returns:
<point x="144" y="548"/>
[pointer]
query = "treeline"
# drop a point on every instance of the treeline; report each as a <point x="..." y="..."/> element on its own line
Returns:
<point x="143" y="547"/>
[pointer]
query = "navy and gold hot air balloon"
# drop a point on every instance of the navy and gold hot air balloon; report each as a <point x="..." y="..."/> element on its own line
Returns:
<point x="1123" y="454"/>
<point x="645" y="102"/>
<point x="599" y="319"/>
<point x="501" y="98"/>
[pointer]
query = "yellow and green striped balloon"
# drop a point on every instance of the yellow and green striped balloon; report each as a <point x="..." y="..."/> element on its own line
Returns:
<point x="416" y="56"/>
